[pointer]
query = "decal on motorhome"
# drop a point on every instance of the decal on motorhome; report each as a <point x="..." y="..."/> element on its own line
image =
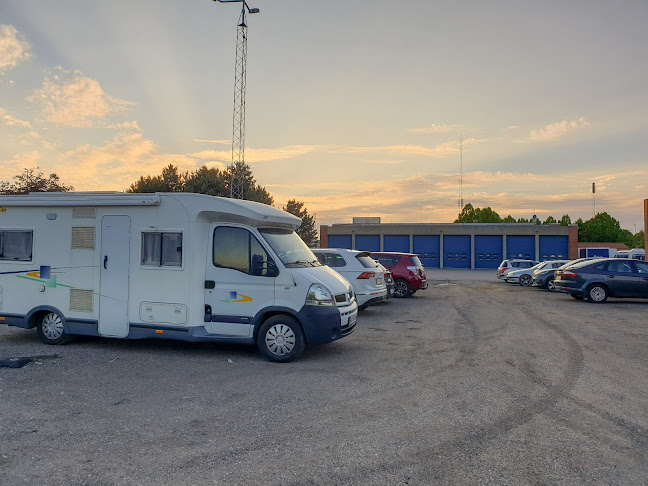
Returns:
<point x="42" y="276"/>
<point x="233" y="298"/>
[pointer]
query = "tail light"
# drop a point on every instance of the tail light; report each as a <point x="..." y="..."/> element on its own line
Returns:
<point x="568" y="274"/>
<point x="366" y="275"/>
<point x="503" y="270"/>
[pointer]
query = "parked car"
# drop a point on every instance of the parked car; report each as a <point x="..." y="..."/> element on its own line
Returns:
<point x="543" y="275"/>
<point x="635" y="254"/>
<point x="522" y="276"/>
<point x="406" y="269"/>
<point x="363" y="273"/>
<point x="602" y="278"/>
<point x="509" y="265"/>
<point x="389" y="280"/>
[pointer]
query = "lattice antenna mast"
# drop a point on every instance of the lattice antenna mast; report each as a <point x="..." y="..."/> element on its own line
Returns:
<point x="238" y="122"/>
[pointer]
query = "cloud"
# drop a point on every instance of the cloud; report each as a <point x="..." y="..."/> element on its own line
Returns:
<point x="253" y="155"/>
<point x="69" y="99"/>
<point x="126" y="126"/>
<point x="12" y="121"/>
<point x="221" y="142"/>
<point x="554" y="131"/>
<point x="434" y="128"/>
<point x="441" y="150"/>
<point x="14" y="49"/>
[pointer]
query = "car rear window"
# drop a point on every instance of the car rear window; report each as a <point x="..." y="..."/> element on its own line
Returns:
<point x="366" y="261"/>
<point x="387" y="261"/>
<point x="415" y="261"/>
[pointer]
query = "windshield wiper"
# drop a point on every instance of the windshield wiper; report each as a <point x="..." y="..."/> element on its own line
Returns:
<point x="302" y="262"/>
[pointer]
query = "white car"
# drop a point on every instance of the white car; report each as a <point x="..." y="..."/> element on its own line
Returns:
<point x="510" y="265"/>
<point x="525" y="276"/>
<point x="365" y="275"/>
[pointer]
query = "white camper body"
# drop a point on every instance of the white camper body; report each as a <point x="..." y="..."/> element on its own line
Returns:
<point x="170" y="265"/>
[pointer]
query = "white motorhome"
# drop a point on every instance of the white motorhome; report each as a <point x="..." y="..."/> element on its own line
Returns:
<point x="166" y="265"/>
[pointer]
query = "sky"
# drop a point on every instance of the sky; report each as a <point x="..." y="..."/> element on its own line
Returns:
<point x="355" y="108"/>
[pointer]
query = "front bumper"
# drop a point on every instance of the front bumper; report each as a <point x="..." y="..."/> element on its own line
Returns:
<point x="325" y="324"/>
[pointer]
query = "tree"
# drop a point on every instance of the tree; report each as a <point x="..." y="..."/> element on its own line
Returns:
<point x="601" y="227"/>
<point x="213" y="182"/>
<point x="509" y="219"/>
<point x="169" y="181"/>
<point x="469" y="215"/>
<point x="307" y="230"/>
<point x="550" y="220"/>
<point x="32" y="181"/>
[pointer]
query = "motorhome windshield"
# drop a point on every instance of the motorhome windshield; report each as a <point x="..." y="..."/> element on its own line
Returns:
<point x="289" y="247"/>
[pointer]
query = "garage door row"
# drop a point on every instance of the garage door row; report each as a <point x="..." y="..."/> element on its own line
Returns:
<point x="456" y="251"/>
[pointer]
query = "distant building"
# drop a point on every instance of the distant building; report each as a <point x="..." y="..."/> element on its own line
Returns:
<point x="458" y="245"/>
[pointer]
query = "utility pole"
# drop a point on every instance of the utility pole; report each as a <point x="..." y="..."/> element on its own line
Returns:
<point x="238" y="123"/>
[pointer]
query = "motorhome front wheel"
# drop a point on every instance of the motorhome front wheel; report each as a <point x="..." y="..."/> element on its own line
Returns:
<point x="50" y="329"/>
<point x="281" y="339"/>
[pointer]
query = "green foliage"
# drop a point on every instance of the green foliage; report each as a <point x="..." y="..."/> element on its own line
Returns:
<point x="565" y="220"/>
<point x="307" y="230"/>
<point x="213" y="182"/>
<point x="32" y="181"/>
<point x="550" y="220"/>
<point x="601" y="227"/>
<point x="469" y="215"/>
<point x="509" y="219"/>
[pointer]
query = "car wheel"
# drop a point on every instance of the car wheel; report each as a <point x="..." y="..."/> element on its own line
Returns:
<point x="401" y="289"/>
<point x="525" y="280"/>
<point x="50" y="329"/>
<point x="597" y="293"/>
<point x="550" y="285"/>
<point x="281" y="339"/>
<point x="577" y="297"/>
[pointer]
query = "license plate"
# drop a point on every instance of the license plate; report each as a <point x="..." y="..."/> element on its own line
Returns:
<point x="379" y="281"/>
<point x="352" y="319"/>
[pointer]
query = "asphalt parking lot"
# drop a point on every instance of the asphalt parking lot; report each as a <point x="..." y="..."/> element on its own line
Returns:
<point x="473" y="381"/>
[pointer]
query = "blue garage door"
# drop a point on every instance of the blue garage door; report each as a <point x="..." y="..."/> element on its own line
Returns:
<point x="520" y="247"/>
<point x="339" y="241"/>
<point x="427" y="249"/>
<point x="367" y="242"/>
<point x="398" y="243"/>
<point x="554" y="247"/>
<point x="456" y="251"/>
<point x="488" y="251"/>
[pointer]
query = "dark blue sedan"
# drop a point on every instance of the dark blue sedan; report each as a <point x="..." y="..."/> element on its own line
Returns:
<point x="596" y="280"/>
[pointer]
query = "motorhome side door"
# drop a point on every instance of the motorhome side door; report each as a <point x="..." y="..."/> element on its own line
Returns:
<point x="114" y="269"/>
<point x="238" y="283"/>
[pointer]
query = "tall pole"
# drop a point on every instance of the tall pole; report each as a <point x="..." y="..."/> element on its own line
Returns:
<point x="461" y="171"/>
<point x="237" y="166"/>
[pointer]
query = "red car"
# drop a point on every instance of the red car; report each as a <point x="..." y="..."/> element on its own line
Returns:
<point x="406" y="269"/>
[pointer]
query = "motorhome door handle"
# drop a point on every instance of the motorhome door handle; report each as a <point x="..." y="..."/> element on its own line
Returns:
<point x="105" y="262"/>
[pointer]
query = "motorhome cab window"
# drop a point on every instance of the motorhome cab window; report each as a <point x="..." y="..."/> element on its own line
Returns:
<point x="239" y="249"/>
<point x="16" y="245"/>
<point x="162" y="249"/>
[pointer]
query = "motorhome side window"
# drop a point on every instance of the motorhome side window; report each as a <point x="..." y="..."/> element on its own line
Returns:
<point x="162" y="249"/>
<point x="16" y="245"/>
<point x="239" y="249"/>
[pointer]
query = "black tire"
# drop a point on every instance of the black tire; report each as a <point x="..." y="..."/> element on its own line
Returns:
<point x="577" y="296"/>
<point x="50" y="329"/>
<point x="525" y="280"/>
<point x="402" y="289"/>
<point x="281" y="339"/>
<point x="550" y="285"/>
<point x="597" y="293"/>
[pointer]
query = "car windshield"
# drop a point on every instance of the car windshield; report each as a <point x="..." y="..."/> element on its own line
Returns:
<point x="289" y="247"/>
<point x="366" y="261"/>
<point x="540" y="266"/>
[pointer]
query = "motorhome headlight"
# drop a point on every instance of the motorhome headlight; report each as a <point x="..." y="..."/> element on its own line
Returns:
<point x="318" y="294"/>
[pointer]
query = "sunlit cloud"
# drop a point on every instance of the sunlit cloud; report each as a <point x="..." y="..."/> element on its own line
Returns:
<point x="118" y="163"/>
<point x="220" y="142"/>
<point x="440" y="128"/>
<point x="383" y="162"/>
<point x="11" y="121"/>
<point x="126" y="126"/>
<point x="14" y="49"/>
<point x="554" y="131"/>
<point x="69" y="99"/>
<point x="29" y="135"/>
<point x="253" y="155"/>
<point x="441" y="150"/>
